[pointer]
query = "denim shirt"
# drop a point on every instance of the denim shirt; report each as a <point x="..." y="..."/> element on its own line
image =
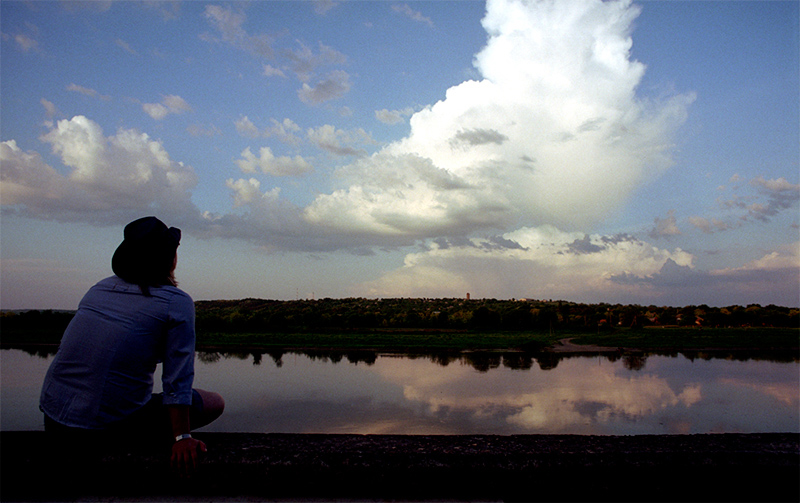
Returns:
<point x="103" y="370"/>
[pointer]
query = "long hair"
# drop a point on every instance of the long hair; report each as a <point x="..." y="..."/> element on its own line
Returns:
<point x="154" y="268"/>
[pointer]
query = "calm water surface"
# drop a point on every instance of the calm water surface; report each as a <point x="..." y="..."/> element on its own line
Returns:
<point x="471" y="394"/>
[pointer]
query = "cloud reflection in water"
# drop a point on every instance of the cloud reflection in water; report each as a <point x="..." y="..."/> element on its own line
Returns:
<point x="587" y="395"/>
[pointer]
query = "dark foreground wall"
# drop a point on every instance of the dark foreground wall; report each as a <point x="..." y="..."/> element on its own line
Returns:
<point x="257" y="467"/>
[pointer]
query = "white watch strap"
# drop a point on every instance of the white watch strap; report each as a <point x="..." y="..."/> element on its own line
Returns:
<point x="182" y="436"/>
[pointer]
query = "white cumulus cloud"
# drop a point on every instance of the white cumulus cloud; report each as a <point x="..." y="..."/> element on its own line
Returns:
<point x="170" y="104"/>
<point x="111" y="178"/>
<point x="772" y="278"/>
<point x="269" y="164"/>
<point x="540" y="262"/>
<point x="664" y="227"/>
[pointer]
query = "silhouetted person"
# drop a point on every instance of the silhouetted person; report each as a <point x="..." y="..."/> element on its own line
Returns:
<point x="99" y="387"/>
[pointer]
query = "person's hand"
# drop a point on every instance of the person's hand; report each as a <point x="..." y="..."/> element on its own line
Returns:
<point x="186" y="456"/>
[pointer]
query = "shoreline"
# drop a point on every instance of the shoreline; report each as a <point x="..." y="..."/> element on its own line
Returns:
<point x="563" y="346"/>
<point x="326" y="467"/>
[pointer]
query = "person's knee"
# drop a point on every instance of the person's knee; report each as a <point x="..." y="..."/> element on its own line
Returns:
<point x="217" y="403"/>
<point x="213" y="404"/>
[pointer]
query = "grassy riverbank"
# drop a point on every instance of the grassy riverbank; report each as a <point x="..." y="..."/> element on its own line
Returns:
<point x="785" y="339"/>
<point x="696" y="338"/>
<point x="647" y="339"/>
<point x="398" y="340"/>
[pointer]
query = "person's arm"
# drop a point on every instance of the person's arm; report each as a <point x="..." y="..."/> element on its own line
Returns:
<point x="176" y="379"/>
<point x="186" y="451"/>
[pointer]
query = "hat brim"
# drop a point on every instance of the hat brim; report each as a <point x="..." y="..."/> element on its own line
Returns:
<point x="175" y="234"/>
<point x="121" y="260"/>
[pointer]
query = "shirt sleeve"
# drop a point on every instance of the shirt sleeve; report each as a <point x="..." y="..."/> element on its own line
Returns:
<point x="178" y="366"/>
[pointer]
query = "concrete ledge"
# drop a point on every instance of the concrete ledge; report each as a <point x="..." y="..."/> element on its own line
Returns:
<point x="264" y="467"/>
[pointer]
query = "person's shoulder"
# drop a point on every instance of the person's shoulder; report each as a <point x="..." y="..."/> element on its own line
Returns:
<point x="181" y="305"/>
<point x="175" y="293"/>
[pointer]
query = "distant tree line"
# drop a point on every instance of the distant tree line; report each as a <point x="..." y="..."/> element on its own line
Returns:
<point x="256" y="315"/>
<point x="43" y="326"/>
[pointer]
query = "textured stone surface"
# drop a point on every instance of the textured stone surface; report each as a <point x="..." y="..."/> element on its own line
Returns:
<point x="257" y="467"/>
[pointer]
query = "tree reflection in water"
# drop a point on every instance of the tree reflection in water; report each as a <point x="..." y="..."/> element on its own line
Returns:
<point x="482" y="361"/>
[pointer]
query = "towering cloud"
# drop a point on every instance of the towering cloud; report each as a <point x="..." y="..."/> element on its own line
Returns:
<point x="553" y="133"/>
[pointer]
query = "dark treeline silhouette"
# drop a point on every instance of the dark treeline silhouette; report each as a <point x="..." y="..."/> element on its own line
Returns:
<point x="254" y="315"/>
<point x="44" y="326"/>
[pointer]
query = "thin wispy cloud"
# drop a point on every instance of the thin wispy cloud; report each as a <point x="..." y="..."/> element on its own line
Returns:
<point x="333" y="86"/>
<point x="271" y="71"/>
<point x="228" y="24"/>
<point x="393" y="116"/>
<point x="75" y="88"/>
<point x="305" y="61"/>
<point x="50" y="109"/>
<point x="708" y="225"/>
<point x="339" y="142"/>
<point x="781" y="195"/>
<point x="412" y="14"/>
<point x="246" y="128"/>
<point x="323" y="6"/>
<point x="25" y="43"/>
<point x="125" y="47"/>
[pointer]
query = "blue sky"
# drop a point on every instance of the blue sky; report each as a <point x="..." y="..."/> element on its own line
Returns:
<point x="591" y="151"/>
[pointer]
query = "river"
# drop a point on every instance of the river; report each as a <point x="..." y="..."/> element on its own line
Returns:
<point x="478" y="393"/>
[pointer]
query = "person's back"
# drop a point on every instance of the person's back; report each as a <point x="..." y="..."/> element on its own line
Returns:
<point x="103" y="371"/>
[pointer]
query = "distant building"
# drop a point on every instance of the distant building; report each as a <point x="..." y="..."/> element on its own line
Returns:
<point x="467" y="295"/>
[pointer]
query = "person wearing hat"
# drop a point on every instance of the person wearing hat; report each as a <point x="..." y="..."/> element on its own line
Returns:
<point x="100" y="383"/>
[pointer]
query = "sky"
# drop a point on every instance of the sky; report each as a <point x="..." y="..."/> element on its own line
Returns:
<point x="624" y="152"/>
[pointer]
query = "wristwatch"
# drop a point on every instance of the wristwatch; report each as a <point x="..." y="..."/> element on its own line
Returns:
<point x="182" y="436"/>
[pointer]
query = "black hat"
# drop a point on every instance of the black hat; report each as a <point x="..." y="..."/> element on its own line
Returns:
<point x="145" y="241"/>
